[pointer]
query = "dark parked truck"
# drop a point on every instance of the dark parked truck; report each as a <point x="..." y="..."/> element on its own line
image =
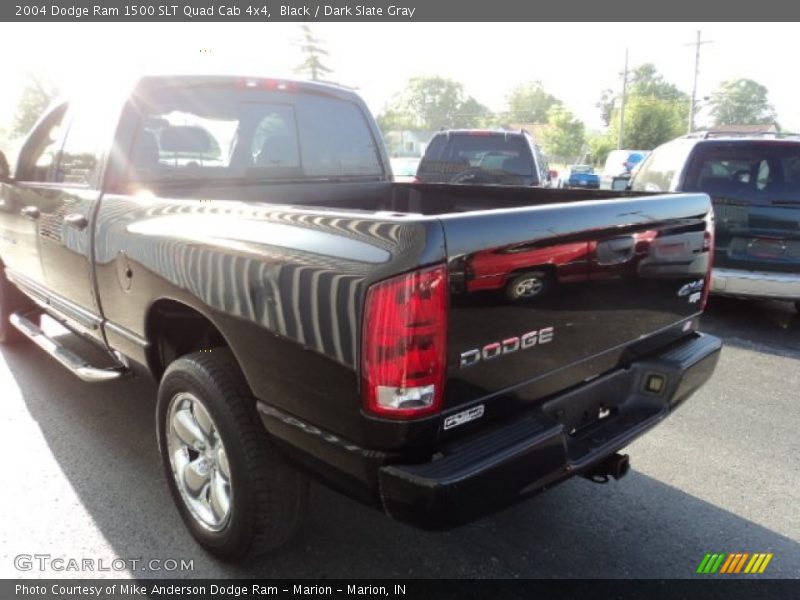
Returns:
<point x="754" y="183"/>
<point x="242" y="240"/>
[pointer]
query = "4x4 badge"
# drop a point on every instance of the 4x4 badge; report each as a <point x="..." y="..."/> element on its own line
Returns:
<point x="465" y="416"/>
<point x="693" y="290"/>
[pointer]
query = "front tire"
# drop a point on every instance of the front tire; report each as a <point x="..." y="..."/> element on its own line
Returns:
<point x="235" y="493"/>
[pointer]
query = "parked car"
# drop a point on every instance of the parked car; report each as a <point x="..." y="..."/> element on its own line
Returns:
<point x="405" y="168"/>
<point x="754" y="183"/>
<point x="581" y="176"/>
<point x="617" y="170"/>
<point x="304" y="315"/>
<point x="483" y="156"/>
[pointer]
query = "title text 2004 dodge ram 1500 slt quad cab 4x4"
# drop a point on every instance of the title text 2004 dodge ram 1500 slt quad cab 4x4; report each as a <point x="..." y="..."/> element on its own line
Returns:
<point x="438" y="351"/>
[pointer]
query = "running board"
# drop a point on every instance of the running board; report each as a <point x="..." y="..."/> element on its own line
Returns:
<point x="78" y="366"/>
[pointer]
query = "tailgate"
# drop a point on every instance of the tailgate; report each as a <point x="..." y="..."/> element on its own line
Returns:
<point x="755" y="187"/>
<point x="544" y="298"/>
<point x="758" y="236"/>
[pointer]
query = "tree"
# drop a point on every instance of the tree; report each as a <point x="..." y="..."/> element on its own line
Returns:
<point x="431" y="103"/>
<point x="564" y="137"/>
<point x="530" y="103"/>
<point x="650" y="122"/>
<point x="647" y="82"/>
<point x="35" y="98"/>
<point x="656" y="111"/>
<point x="394" y="119"/>
<point x="312" y="49"/>
<point x="644" y="81"/>
<point x="474" y="114"/>
<point x="600" y="146"/>
<point x="741" y="102"/>
<point x="607" y="104"/>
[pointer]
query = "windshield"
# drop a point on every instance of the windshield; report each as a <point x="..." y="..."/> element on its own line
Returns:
<point x="752" y="171"/>
<point x="219" y="132"/>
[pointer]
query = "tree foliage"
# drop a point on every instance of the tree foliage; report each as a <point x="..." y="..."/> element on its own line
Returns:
<point x="647" y="82"/>
<point x="430" y="103"/>
<point x="313" y="50"/>
<point x="650" y="122"/>
<point x="564" y="137"/>
<point x="600" y="146"/>
<point x="607" y="104"/>
<point x="395" y="119"/>
<point x="35" y="98"/>
<point x="741" y="102"/>
<point x="656" y="111"/>
<point x="530" y="103"/>
<point x="644" y="82"/>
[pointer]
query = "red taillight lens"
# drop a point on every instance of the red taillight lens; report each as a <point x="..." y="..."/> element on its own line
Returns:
<point x="403" y="344"/>
<point x="708" y="245"/>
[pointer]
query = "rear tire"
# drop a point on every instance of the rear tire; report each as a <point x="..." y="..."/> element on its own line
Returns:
<point x="11" y="301"/>
<point x="527" y="286"/>
<point x="265" y="497"/>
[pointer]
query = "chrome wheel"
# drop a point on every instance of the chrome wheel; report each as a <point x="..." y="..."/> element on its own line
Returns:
<point x="199" y="461"/>
<point x="527" y="288"/>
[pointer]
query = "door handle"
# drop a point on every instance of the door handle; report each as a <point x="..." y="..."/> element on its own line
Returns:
<point x="31" y="212"/>
<point x="76" y="221"/>
<point x="615" y="251"/>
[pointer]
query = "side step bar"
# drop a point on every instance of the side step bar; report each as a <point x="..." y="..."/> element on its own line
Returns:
<point x="69" y="359"/>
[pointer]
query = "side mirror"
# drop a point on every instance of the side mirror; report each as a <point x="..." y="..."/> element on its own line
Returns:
<point x="5" y="170"/>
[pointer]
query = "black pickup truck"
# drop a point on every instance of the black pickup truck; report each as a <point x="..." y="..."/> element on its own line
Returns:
<point x="437" y="351"/>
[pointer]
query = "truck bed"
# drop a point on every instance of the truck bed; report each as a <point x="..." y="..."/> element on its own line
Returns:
<point x="624" y="273"/>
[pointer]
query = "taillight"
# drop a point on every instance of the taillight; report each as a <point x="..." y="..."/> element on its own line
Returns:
<point x="708" y="246"/>
<point x="403" y="344"/>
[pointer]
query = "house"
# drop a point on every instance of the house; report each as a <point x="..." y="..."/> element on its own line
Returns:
<point x="745" y="129"/>
<point x="411" y="143"/>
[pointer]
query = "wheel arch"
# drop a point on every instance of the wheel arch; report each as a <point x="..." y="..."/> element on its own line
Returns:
<point x="548" y="268"/>
<point x="173" y="329"/>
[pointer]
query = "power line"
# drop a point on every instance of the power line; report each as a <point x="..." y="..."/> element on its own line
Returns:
<point x="622" y="104"/>
<point x="697" y="45"/>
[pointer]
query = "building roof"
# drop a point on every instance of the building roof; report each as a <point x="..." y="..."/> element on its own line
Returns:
<point x="764" y="128"/>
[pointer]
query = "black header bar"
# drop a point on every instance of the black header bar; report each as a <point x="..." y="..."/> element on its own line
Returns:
<point x="409" y="589"/>
<point x="257" y="11"/>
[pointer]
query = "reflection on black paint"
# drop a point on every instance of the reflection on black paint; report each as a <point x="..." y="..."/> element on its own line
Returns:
<point x="604" y="292"/>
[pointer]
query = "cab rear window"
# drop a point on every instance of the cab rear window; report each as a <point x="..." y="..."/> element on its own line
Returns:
<point x="216" y="131"/>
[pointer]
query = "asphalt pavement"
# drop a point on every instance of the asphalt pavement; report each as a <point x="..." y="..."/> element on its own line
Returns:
<point x="82" y="480"/>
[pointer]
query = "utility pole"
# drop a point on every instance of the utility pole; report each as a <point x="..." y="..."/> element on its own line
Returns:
<point x="697" y="45"/>
<point x="622" y="104"/>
